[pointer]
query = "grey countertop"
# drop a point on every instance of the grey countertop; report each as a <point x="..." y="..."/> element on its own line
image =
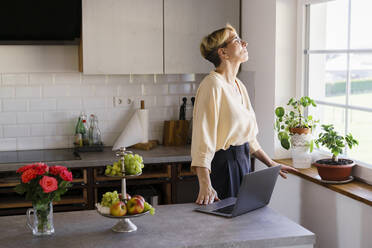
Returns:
<point x="172" y="226"/>
<point x="160" y="154"/>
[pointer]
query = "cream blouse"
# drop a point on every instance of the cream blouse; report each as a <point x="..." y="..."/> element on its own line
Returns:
<point x="222" y="117"/>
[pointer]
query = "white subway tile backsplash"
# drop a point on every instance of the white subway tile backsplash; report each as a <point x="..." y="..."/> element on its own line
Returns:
<point x="28" y="92"/>
<point x="162" y="113"/>
<point x="53" y="142"/>
<point x="7" y="92"/>
<point x="187" y="77"/>
<point x="49" y="122"/>
<point x="156" y="126"/>
<point x="94" y="102"/>
<point x="68" y="103"/>
<point x="29" y="117"/>
<point x="94" y="79"/>
<point x="43" y="104"/>
<point x="155" y="89"/>
<point x="16" y="131"/>
<point x="82" y="90"/>
<point x="105" y="90"/>
<point x="185" y="88"/>
<point x="43" y="130"/>
<point x="8" y="118"/>
<point x="30" y="143"/>
<point x="41" y="78"/>
<point x="67" y="78"/>
<point x="143" y="78"/>
<point x="118" y="79"/>
<point x="8" y="144"/>
<point x="150" y="101"/>
<point x="15" y="79"/>
<point x="57" y="117"/>
<point x="156" y="136"/>
<point x="110" y="138"/>
<point x="166" y="101"/>
<point x="130" y="90"/>
<point x="56" y="91"/>
<point x="66" y="129"/>
<point x="14" y="105"/>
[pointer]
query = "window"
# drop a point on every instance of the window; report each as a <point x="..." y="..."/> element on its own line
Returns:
<point x="338" y="68"/>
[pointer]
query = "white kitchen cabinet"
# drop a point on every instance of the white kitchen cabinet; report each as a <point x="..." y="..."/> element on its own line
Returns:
<point x="186" y="22"/>
<point x="122" y="36"/>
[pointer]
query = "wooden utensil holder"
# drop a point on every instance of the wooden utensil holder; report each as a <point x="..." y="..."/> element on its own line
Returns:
<point x="175" y="132"/>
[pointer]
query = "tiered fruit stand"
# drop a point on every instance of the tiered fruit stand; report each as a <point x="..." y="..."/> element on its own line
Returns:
<point x="124" y="224"/>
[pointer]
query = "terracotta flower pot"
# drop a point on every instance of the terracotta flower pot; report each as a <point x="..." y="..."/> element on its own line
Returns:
<point x="331" y="172"/>
<point x="300" y="130"/>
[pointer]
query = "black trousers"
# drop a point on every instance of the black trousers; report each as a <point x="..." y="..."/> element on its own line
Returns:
<point x="228" y="168"/>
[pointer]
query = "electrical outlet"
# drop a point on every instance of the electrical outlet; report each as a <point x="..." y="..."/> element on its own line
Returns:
<point x="122" y="101"/>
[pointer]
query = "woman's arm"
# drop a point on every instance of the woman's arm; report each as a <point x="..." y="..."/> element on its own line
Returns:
<point x="264" y="158"/>
<point x="207" y="194"/>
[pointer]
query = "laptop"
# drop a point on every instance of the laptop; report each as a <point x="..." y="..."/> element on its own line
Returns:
<point x="255" y="192"/>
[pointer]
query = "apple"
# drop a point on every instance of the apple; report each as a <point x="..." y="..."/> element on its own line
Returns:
<point x="118" y="209"/>
<point x="139" y="197"/>
<point x="135" y="206"/>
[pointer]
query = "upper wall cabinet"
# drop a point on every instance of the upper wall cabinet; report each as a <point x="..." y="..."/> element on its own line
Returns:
<point x="186" y="22"/>
<point x="122" y="36"/>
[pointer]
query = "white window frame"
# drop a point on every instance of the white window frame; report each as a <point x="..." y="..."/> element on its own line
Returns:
<point x="362" y="170"/>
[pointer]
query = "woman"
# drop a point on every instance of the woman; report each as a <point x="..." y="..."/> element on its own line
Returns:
<point x="224" y="123"/>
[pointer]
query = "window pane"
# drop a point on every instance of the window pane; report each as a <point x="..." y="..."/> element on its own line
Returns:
<point x="328" y="25"/>
<point x="327" y="77"/>
<point x="360" y="21"/>
<point x="328" y="115"/>
<point x="360" y="123"/>
<point x="361" y="80"/>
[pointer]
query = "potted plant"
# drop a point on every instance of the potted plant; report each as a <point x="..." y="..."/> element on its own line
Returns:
<point x="294" y="130"/>
<point x="335" y="168"/>
<point x="294" y="121"/>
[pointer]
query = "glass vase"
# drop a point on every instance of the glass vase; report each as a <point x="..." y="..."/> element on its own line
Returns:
<point x="40" y="219"/>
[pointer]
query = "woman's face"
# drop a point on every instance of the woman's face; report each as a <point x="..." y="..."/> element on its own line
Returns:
<point x="236" y="49"/>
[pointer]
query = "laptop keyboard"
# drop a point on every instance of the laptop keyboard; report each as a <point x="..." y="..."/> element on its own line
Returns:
<point x="225" y="210"/>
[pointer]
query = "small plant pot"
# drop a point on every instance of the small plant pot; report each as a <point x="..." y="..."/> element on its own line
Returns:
<point x="300" y="130"/>
<point x="331" y="171"/>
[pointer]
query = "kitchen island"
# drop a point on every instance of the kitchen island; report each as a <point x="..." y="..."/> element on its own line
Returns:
<point x="172" y="226"/>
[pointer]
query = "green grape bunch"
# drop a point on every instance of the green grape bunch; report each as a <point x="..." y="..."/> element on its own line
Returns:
<point x="133" y="165"/>
<point x="110" y="198"/>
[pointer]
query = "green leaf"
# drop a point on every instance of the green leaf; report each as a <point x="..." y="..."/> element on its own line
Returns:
<point x="20" y="189"/>
<point x="279" y="111"/>
<point x="311" y="145"/>
<point x="285" y="143"/>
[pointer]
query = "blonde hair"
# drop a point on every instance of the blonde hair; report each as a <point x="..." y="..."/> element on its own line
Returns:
<point x="212" y="42"/>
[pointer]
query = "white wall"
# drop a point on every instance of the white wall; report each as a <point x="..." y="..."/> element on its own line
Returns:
<point x="270" y="28"/>
<point x="41" y="100"/>
<point x="258" y="29"/>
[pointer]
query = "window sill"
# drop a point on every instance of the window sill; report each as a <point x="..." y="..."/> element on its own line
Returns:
<point x="357" y="190"/>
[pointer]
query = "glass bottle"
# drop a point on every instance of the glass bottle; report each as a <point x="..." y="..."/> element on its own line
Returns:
<point x="83" y="129"/>
<point x="94" y="132"/>
<point x="78" y="137"/>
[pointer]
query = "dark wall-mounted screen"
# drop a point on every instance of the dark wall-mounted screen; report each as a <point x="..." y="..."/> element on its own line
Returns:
<point x="40" y="19"/>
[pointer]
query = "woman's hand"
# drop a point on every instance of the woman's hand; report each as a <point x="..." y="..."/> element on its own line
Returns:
<point x="264" y="158"/>
<point x="207" y="194"/>
<point x="285" y="169"/>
